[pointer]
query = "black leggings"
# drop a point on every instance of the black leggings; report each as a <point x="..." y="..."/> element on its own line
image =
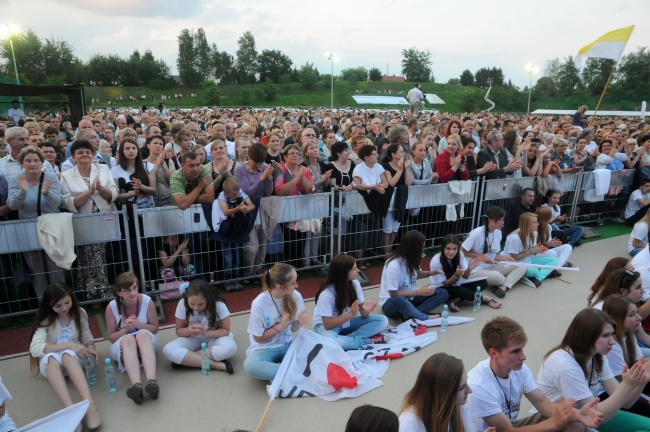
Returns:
<point x="464" y="292"/>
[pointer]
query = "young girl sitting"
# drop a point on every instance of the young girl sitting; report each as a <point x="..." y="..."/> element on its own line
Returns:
<point x="484" y="242"/>
<point x="202" y="316"/>
<point x="437" y="401"/>
<point x="522" y="245"/>
<point x="275" y="314"/>
<point x="578" y="369"/>
<point x="450" y="271"/>
<point x="61" y="341"/>
<point x="574" y="233"/>
<point x="341" y="311"/>
<point x="555" y="246"/>
<point x="132" y="324"/>
<point x="625" y="352"/>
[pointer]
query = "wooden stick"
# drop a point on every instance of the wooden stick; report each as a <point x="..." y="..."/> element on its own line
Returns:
<point x="602" y="95"/>
<point x="266" y="411"/>
<point x="565" y="281"/>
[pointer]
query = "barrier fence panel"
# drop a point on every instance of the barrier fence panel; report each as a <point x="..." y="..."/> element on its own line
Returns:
<point x="102" y="248"/>
<point x="503" y="193"/>
<point x="294" y="229"/>
<point x="591" y="207"/>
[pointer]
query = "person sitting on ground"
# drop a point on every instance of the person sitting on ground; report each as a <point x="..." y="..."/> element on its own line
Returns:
<point x="484" y="242"/>
<point x="638" y="204"/>
<point x="573" y="233"/>
<point x="577" y="370"/>
<point x="491" y="405"/>
<point x="639" y="235"/>
<point x="399" y="297"/>
<point x="523" y="245"/>
<point x="437" y="401"/>
<point x="452" y="270"/>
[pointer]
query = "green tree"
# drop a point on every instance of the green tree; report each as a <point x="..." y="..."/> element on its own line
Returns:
<point x="246" y="95"/>
<point x="468" y="103"/>
<point x="375" y="74"/>
<point x="595" y="74"/>
<point x="272" y="64"/>
<point x="467" y="78"/>
<point x="545" y="87"/>
<point x="246" y="64"/>
<point x="354" y="74"/>
<point x="223" y="66"/>
<point x="202" y="60"/>
<point x="483" y="74"/>
<point x="453" y="81"/>
<point x="568" y="77"/>
<point x="187" y="60"/>
<point x="416" y="65"/>
<point x="210" y="94"/>
<point x="634" y="72"/>
<point x="105" y="69"/>
<point x="308" y="76"/>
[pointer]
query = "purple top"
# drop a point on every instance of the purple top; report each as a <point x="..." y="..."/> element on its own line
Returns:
<point x="250" y="182"/>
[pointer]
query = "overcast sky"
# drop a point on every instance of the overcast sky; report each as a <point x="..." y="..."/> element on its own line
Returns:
<point x="460" y="35"/>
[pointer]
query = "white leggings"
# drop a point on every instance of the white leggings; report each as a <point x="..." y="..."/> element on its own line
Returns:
<point x="562" y="253"/>
<point x="222" y="348"/>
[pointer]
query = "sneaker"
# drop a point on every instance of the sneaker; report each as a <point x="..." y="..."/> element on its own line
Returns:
<point x="378" y="339"/>
<point x="554" y="274"/>
<point x="176" y="365"/>
<point x="618" y="220"/>
<point x="231" y="287"/>
<point x="600" y="223"/>
<point x="238" y="286"/>
<point x="536" y="281"/>
<point x="578" y="244"/>
<point x="152" y="388"/>
<point x="567" y="264"/>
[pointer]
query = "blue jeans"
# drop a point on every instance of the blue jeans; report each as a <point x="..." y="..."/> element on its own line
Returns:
<point x="264" y="363"/>
<point x="636" y="251"/>
<point x="358" y="333"/>
<point x="574" y="233"/>
<point x="231" y="259"/>
<point x="416" y="307"/>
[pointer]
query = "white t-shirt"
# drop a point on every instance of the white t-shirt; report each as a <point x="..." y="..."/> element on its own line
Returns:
<point x="145" y="201"/>
<point x="326" y="306"/>
<point x="514" y="246"/>
<point x="409" y="422"/>
<point x="396" y="277"/>
<point x="639" y="232"/>
<point x="616" y="358"/>
<point x="266" y="312"/>
<point x="562" y="377"/>
<point x="368" y="176"/>
<point x="489" y="392"/>
<point x="476" y="240"/>
<point x="641" y="263"/>
<point x="440" y="279"/>
<point x="201" y="318"/>
<point x="633" y="205"/>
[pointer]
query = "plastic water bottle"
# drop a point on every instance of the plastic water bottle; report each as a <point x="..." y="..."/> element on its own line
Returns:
<point x="205" y="359"/>
<point x="445" y="319"/>
<point x="110" y="376"/>
<point x="478" y="299"/>
<point x="89" y="367"/>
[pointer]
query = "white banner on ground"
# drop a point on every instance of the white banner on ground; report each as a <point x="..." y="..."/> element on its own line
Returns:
<point x="416" y="327"/>
<point x="65" y="420"/>
<point x="540" y="266"/>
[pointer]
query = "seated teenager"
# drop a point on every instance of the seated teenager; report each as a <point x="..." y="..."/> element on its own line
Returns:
<point x="499" y="383"/>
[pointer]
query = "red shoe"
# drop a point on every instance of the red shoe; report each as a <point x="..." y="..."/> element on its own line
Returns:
<point x="378" y="339"/>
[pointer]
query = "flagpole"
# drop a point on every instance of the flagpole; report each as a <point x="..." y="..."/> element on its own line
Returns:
<point x="602" y="95"/>
<point x="266" y="411"/>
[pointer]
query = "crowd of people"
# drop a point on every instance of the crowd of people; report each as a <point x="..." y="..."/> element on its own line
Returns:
<point x="229" y="160"/>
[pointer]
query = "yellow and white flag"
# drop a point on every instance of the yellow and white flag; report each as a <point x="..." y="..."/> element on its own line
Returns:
<point x="608" y="46"/>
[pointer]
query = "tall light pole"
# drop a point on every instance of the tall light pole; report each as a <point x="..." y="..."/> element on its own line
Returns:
<point x="8" y="30"/>
<point x="531" y="69"/>
<point x="332" y="57"/>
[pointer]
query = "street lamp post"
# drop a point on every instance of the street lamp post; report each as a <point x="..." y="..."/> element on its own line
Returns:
<point x="332" y="57"/>
<point x="531" y="69"/>
<point x="8" y="31"/>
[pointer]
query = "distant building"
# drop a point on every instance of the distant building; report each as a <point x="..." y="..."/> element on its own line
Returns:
<point x="393" y="78"/>
<point x="177" y="79"/>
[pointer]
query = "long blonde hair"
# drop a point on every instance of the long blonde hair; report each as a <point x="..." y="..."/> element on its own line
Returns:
<point x="526" y="234"/>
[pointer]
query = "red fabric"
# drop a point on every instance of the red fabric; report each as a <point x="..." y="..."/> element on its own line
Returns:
<point x="443" y="168"/>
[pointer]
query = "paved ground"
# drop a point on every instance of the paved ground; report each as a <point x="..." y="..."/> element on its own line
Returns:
<point x="219" y="402"/>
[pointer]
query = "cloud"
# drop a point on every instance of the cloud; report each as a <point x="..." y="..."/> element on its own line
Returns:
<point x="139" y="8"/>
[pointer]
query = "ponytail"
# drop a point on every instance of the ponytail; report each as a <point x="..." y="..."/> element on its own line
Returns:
<point x="280" y="274"/>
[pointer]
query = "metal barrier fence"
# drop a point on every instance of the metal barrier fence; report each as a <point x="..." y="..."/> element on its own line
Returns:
<point x="301" y="238"/>
<point x="102" y="248"/>
<point x="589" y="207"/>
<point x="310" y="230"/>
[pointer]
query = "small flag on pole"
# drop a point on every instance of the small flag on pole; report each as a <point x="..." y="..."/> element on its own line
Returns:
<point x="608" y="46"/>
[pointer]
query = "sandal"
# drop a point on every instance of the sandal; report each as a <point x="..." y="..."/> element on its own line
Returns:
<point x="361" y="265"/>
<point x="453" y="306"/>
<point x="498" y="291"/>
<point x="152" y="388"/>
<point x="135" y="393"/>
<point x="434" y="315"/>
<point x="494" y="304"/>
